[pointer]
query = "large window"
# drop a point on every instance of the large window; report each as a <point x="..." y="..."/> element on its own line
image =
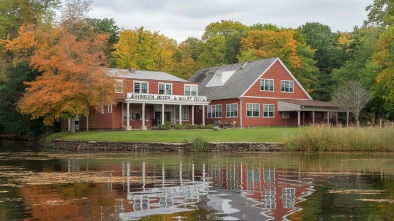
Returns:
<point x="268" y="111"/>
<point x="215" y="111"/>
<point x="185" y="113"/>
<point x="165" y="88"/>
<point x="231" y="110"/>
<point x="252" y="110"/>
<point x="140" y="87"/>
<point x="118" y="86"/>
<point x="266" y="84"/>
<point x="287" y="86"/>
<point x="190" y="90"/>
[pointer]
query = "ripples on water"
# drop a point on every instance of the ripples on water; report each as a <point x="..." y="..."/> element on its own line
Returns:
<point x="197" y="186"/>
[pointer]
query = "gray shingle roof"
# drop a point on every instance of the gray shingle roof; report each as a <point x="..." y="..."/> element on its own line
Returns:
<point x="244" y="76"/>
<point x="143" y="75"/>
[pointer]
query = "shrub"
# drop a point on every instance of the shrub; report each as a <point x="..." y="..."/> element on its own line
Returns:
<point x="178" y="127"/>
<point x="189" y="126"/>
<point x="199" y="144"/>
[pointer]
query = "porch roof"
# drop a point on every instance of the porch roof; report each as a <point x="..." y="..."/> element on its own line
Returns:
<point x="307" y="105"/>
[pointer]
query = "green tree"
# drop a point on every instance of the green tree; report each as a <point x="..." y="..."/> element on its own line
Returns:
<point x="381" y="13"/>
<point x="10" y="119"/>
<point x="214" y="52"/>
<point x="232" y="32"/>
<point x="327" y="55"/>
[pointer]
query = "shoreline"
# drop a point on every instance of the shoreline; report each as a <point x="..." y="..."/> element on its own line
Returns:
<point x="114" y="146"/>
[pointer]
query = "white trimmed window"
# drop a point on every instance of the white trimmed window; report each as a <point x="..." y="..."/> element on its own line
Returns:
<point x="268" y="110"/>
<point x="231" y="110"/>
<point x="285" y="114"/>
<point x="165" y="88"/>
<point x="190" y="90"/>
<point x="252" y="110"/>
<point x="287" y="86"/>
<point x="118" y="86"/>
<point x="109" y="108"/>
<point x="266" y="84"/>
<point x="215" y="111"/>
<point x="185" y="113"/>
<point x="141" y="87"/>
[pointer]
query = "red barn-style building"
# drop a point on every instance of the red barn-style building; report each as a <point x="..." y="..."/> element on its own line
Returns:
<point x="249" y="94"/>
<point x="259" y="93"/>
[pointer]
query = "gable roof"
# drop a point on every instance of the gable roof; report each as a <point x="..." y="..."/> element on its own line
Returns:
<point x="143" y="75"/>
<point x="245" y="75"/>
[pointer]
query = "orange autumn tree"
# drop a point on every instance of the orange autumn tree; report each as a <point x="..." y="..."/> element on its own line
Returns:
<point x="73" y="78"/>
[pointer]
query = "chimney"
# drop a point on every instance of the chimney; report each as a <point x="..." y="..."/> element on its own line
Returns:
<point x="132" y="70"/>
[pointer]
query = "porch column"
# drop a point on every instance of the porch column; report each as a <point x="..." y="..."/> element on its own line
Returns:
<point x="128" y="117"/>
<point x="162" y="114"/>
<point x="328" y="117"/>
<point x="336" y="118"/>
<point x="313" y="117"/>
<point x="143" y="117"/>
<point x="180" y="114"/>
<point x="87" y="122"/>
<point x="299" y="117"/>
<point x="193" y="114"/>
<point x="203" y="114"/>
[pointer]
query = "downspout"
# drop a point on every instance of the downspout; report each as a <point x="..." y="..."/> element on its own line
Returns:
<point x="240" y="110"/>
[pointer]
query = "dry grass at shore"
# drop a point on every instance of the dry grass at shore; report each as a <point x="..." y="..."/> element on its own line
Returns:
<point x="325" y="138"/>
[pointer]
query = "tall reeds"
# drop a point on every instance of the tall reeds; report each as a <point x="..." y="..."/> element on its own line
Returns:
<point x="326" y="138"/>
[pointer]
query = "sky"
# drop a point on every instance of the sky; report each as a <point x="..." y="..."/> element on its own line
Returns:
<point x="180" y="19"/>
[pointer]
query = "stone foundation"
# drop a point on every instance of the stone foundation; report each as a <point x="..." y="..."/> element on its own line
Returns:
<point x="107" y="146"/>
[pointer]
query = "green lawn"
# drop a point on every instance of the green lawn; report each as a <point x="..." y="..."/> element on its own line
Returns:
<point x="266" y="134"/>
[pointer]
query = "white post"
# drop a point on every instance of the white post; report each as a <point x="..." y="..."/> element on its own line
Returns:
<point x="299" y="117"/>
<point x="87" y="122"/>
<point x="162" y="114"/>
<point x="143" y="117"/>
<point x="128" y="117"/>
<point x="313" y="117"/>
<point x="180" y="114"/>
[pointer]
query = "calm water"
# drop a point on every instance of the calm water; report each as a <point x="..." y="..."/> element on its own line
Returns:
<point x="39" y="185"/>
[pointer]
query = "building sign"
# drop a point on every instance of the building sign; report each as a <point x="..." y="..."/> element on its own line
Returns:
<point x="163" y="97"/>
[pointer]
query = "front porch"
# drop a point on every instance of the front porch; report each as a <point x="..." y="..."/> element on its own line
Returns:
<point x="310" y="111"/>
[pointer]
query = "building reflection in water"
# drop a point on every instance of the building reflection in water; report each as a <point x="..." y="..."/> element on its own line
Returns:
<point x="233" y="190"/>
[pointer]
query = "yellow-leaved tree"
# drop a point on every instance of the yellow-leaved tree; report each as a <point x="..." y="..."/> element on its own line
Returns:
<point x="73" y="77"/>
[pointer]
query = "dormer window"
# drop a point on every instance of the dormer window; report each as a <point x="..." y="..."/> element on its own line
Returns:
<point x="266" y="84"/>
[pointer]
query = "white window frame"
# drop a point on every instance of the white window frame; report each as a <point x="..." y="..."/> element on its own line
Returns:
<point x="264" y="86"/>
<point x="185" y="113"/>
<point x="252" y="106"/>
<point x="285" y="114"/>
<point x="215" y="111"/>
<point x="140" y="88"/>
<point x="109" y="108"/>
<point x="118" y="85"/>
<point x="165" y="88"/>
<point x="190" y="86"/>
<point x="267" y="109"/>
<point x="231" y="111"/>
<point x="287" y="86"/>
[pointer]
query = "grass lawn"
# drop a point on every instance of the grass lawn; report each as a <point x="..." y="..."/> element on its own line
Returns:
<point x="265" y="134"/>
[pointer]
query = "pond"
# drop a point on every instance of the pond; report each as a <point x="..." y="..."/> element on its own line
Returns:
<point x="43" y="185"/>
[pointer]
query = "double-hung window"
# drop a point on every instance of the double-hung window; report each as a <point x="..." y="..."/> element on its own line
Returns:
<point x="252" y="110"/>
<point x="266" y="84"/>
<point x="287" y="86"/>
<point x="215" y="111"/>
<point x="190" y="90"/>
<point x="165" y="88"/>
<point x="268" y="111"/>
<point x="140" y="87"/>
<point x="231" y="110"/>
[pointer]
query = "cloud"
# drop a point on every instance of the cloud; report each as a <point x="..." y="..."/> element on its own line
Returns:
<point x="179" y="19"/>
